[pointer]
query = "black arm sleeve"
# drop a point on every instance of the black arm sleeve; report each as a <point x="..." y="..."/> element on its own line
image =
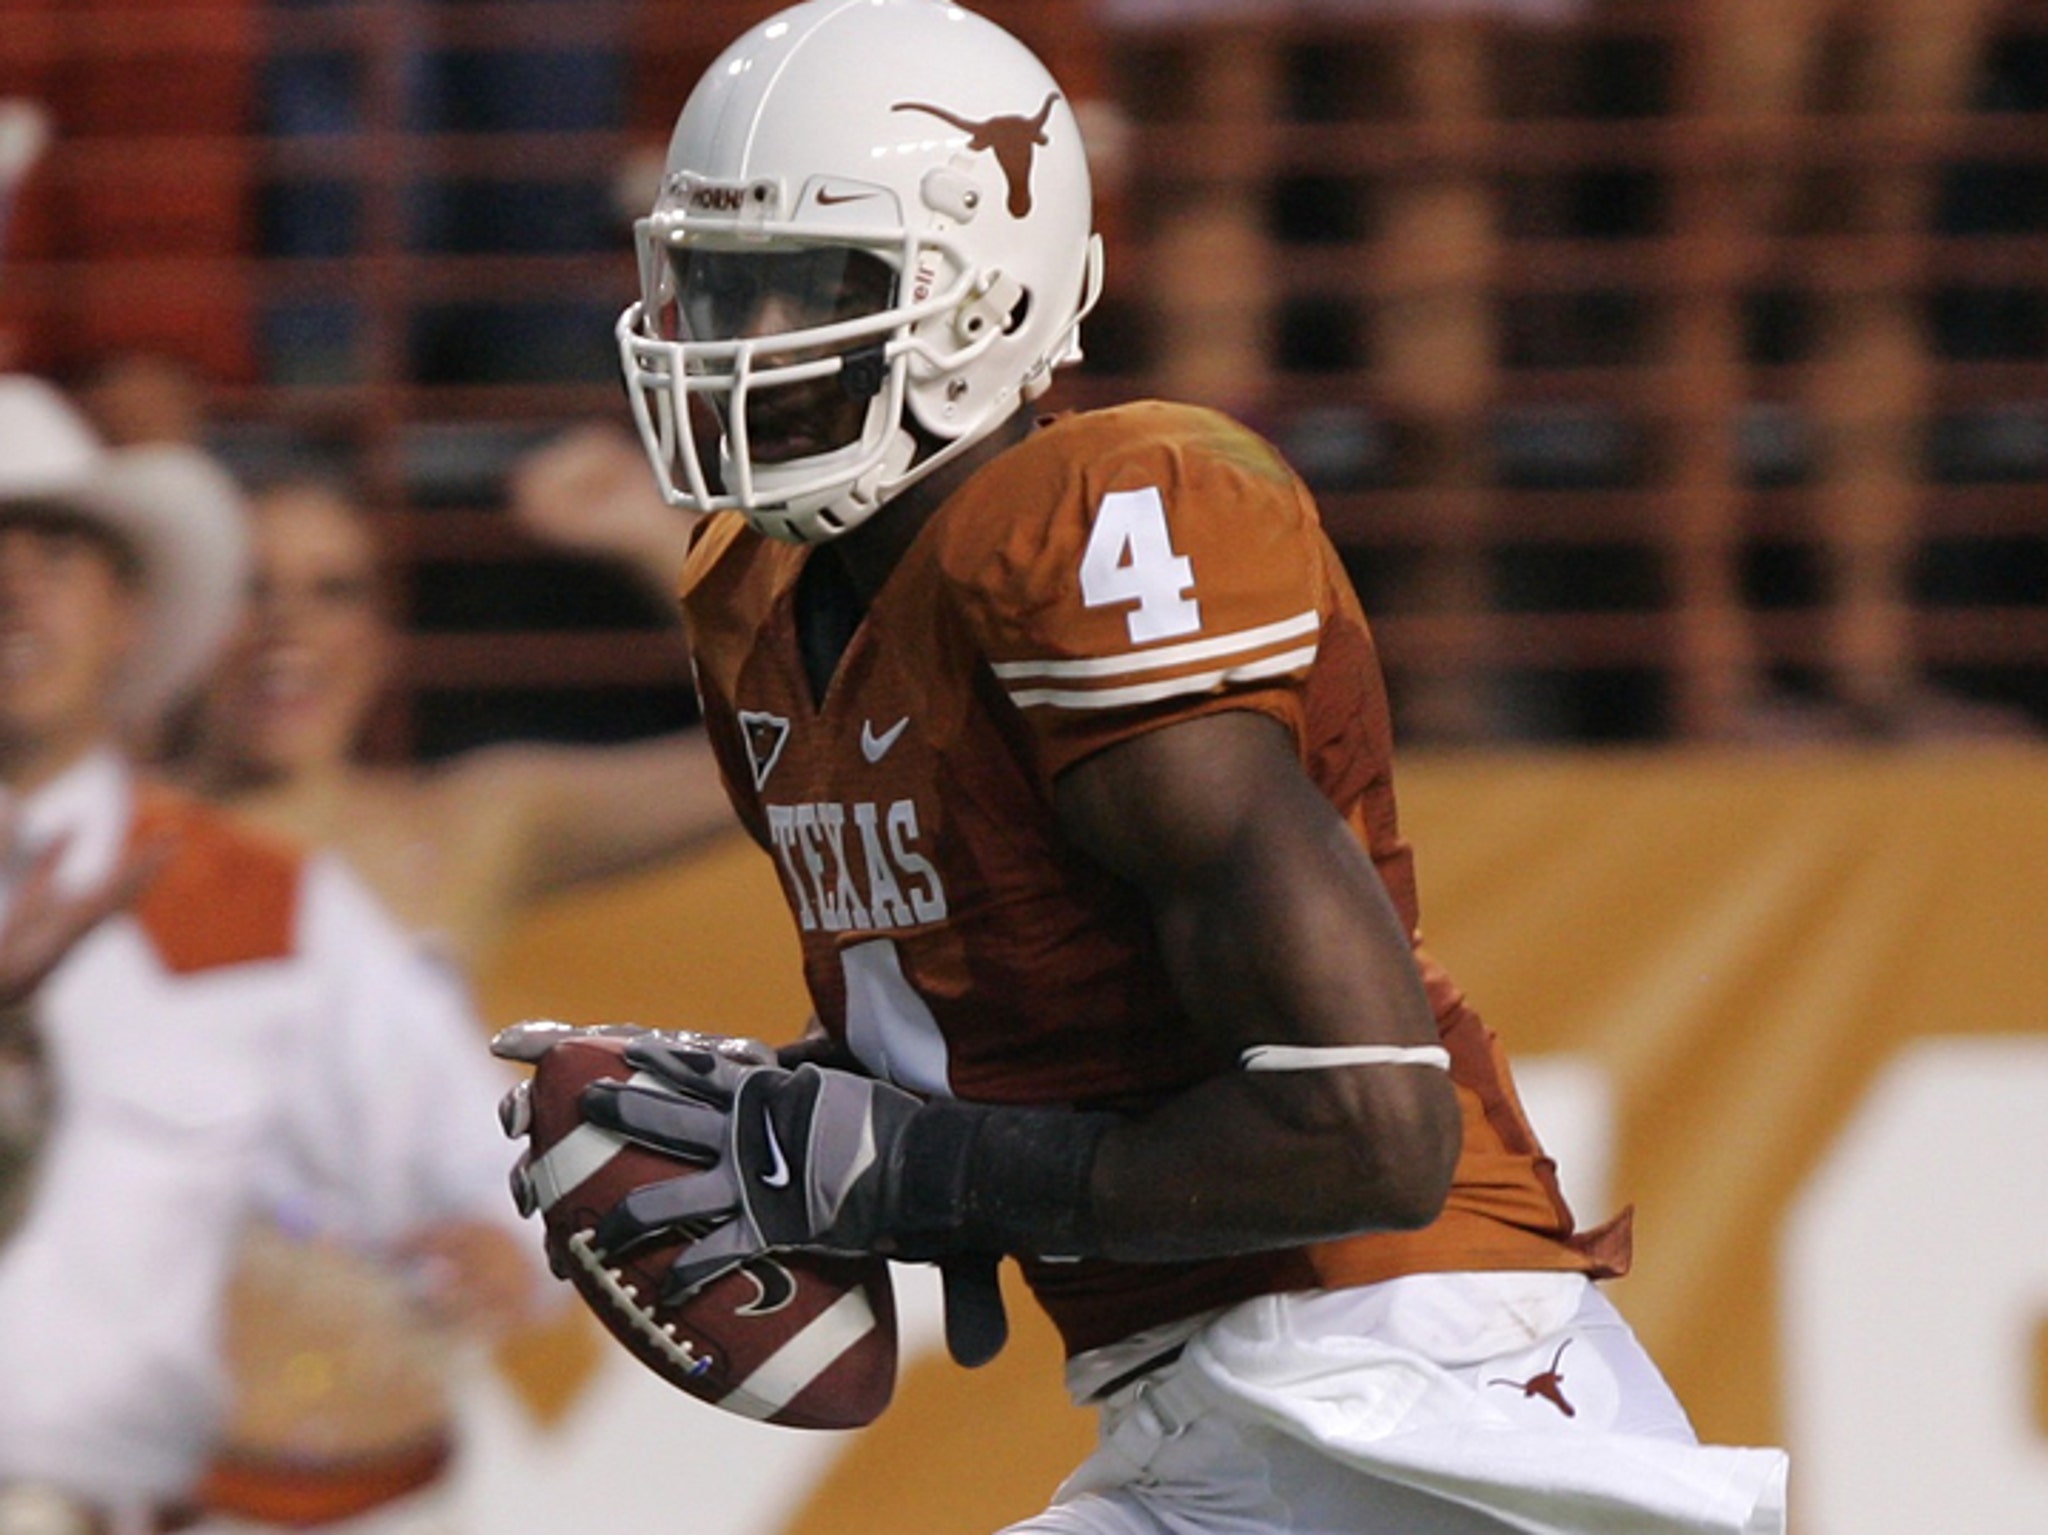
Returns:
<point x="980" y="1178"/>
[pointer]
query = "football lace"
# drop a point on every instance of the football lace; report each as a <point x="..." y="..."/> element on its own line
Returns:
<point x="626" y="1297"/>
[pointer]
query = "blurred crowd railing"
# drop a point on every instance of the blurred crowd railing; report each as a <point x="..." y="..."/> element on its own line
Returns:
<point x="1666" y="368"/>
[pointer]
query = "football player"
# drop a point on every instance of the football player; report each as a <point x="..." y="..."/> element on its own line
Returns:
<point x="1069" y="741"/>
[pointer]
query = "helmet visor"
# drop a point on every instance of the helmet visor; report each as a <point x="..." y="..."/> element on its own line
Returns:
<point x="738" y="295"/>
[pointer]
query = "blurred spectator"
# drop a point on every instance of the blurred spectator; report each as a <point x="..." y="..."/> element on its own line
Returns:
<point x="43" y="924"/>
<point x="334" y="1384"/>
<point x="566" y="83"/>
<point x="136" y="396"/>
<point x="1759" y="68"/>
<point x="456" y="850"/>
<point x="152" y="190"/>
<point x="1147" y="12"/>
<point x="570" y="84"/>
<point x="459" y="847"/>
<point x="252" y="1034"/>
<point x="24" y="133"/>
<point x="1814" y="118"/>
<point x="1428" y="282"/>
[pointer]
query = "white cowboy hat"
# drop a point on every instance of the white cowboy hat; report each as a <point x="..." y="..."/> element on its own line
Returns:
<point x="179" y="512"/>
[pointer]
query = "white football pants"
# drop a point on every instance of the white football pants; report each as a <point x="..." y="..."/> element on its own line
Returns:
<point x="1444" y="1404"/>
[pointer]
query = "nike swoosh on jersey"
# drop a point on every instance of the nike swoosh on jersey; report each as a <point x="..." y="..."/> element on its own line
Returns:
<point x="777" y="1176"/>
<point x="876" y="747"/>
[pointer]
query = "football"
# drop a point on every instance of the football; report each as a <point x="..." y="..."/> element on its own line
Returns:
<point x="800" y="1339"/>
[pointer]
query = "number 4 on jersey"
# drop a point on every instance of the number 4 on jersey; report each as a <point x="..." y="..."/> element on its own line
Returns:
<point x="1130" y="558"/>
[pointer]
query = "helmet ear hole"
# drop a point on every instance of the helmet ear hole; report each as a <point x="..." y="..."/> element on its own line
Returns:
<point x="998" y="303"/>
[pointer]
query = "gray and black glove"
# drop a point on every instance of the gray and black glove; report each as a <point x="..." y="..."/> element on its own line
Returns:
<point x="829" y="1161"/>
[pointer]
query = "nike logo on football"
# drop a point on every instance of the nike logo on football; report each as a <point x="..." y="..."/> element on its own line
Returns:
<point x="777" y="1176"/>
<point x="876" y="747"/>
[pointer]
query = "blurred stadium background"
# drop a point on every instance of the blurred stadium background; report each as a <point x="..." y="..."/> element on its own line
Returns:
<point x="1592" y="354"/>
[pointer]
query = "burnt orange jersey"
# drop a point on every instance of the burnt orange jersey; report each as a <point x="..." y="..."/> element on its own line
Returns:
<point x="1114" y="572"/>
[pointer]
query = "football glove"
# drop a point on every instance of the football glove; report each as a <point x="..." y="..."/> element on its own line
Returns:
<point x="830" y="1161"/>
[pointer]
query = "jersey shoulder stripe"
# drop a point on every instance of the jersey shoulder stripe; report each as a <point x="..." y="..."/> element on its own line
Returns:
<point x="1250" y="654"/>
<point x="1156" y="692"/>
<point x="1128" y="663"/>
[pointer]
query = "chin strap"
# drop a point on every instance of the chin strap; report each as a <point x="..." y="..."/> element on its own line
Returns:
<point x="889" y="475"/>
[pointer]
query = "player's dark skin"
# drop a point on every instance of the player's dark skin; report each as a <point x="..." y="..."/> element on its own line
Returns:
<point x="1277" y="931"/>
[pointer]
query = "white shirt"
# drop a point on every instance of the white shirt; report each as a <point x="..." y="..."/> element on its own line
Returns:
<point x="347" y="1076"/>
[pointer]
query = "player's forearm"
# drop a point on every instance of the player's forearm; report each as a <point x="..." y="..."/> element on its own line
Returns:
<point x="1247" y="1161"/>
<point x="1241" y="1164"/>
<point x="1292" y="943"/>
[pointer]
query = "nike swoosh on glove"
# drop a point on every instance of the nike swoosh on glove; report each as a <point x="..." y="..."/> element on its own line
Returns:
<point x="789" y="1158"/>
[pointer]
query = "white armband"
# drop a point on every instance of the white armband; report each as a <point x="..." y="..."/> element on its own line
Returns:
<point x="1323" y="1057"/>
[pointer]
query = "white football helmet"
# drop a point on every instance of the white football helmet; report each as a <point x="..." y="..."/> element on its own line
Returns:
<point x="908" y="182"/>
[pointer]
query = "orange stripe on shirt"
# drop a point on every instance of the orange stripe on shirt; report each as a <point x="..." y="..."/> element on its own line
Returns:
<point x="228" y="895"/>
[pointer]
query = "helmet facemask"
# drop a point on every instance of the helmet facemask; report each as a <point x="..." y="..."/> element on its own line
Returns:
<point x="792" y="347"/>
